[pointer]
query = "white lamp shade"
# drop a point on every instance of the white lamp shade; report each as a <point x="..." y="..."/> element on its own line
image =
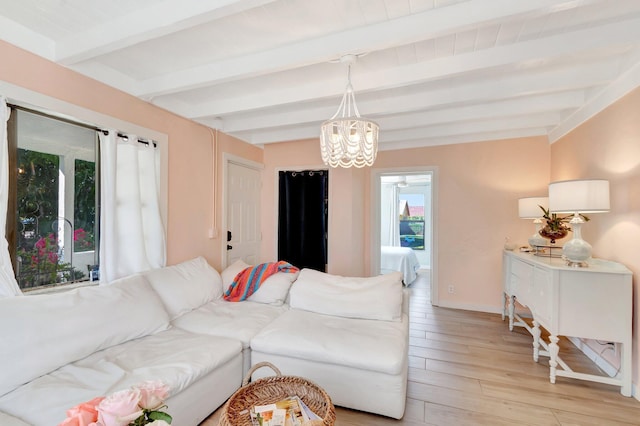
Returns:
<point x="583" y="196"/>
<point x="529" y="208"/>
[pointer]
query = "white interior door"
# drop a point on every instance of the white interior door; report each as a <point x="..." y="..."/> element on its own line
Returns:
<point x="243" y="213"/>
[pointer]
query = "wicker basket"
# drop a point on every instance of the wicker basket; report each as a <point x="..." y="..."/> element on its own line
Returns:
<point x="269" y="390"/>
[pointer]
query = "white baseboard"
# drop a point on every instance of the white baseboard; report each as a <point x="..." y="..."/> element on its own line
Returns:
<point x="465" y="307"/>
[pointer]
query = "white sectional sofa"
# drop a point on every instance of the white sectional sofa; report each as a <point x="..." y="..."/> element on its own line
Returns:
<point x="171" y="324"/>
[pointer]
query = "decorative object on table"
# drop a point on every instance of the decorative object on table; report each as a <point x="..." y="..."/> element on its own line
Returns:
<point x="529" y="208"/>
<point x="578" y="197"/>
<point x="347" y="139"/>
<point x="555" y="227"/>
<point x="137" y="406"/>
<point x="269" y="390"/>
<point x="509" y="245"/>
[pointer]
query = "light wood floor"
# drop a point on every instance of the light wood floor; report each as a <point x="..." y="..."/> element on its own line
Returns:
<point x="467" y="368"/>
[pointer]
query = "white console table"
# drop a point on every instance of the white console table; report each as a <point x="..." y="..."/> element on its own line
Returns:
<point x="591" y="303"/>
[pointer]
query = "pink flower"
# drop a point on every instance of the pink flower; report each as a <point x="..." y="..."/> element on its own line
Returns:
<point x="152" y="394"/>
<point x="41" y="243"/>
<point x="79" y="234"/>
<point x="120" y="408"/>
<point x="84" y="414"/>
<point x="53" y="257"/>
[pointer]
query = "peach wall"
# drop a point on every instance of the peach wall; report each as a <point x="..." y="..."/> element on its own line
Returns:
<point x="478" y="185"/>
<point x="608" y="147"/>
<point x="190" y="185"/>
<point x="346" y="205"/>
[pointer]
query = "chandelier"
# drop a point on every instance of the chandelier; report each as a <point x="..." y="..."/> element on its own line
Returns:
<point x="346" y="139"/>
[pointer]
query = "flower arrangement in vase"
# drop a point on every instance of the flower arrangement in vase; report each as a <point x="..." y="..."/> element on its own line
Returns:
<point x="556" y="227"/>
<point x="137" y="406"/>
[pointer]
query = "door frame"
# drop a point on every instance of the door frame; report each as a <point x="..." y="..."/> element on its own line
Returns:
<point x="226" y="160"/>
<point x="374" y="255"/>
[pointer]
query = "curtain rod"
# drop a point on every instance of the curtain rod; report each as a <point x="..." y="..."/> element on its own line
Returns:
<point x="76" y="123"/>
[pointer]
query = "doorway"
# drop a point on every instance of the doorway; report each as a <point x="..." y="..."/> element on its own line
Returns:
<point x="303" y="206"/>
<point x="403" y="224"/>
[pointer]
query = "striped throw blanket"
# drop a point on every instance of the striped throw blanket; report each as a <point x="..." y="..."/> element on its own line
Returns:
<point x="249" y="280"/>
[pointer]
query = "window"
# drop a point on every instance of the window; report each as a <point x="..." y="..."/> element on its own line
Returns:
<point x="412" y="220"/>
<point x="52" y="230"/>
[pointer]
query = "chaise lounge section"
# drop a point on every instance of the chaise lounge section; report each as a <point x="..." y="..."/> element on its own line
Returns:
<point x="349" y="335"/>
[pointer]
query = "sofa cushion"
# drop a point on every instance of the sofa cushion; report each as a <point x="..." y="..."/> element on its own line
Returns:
<point x="174" y="356"/>
<point x="365" y="344"/>
<point x="239" y="321"/>
<point x="186" y="286"/>
<point x="7" y="420"/>
<point x="273" y="291"/>
<point x="47" y="331"/>
<point x="378" y="297"/>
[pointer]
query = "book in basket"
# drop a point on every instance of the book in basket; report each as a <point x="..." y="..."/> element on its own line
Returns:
<point x="291" y="411"/>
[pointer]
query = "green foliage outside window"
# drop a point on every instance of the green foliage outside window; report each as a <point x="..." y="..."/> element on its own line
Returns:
<point x="39" y="255"/>
<point x="85" y="206"/>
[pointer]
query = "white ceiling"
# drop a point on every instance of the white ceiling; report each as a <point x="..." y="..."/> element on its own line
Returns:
<point x="431" y="72"/>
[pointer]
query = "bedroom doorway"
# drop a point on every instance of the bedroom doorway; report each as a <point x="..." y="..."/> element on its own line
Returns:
<point x="403" y="224"/>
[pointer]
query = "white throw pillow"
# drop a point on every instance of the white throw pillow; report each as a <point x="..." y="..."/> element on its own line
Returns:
<point x="273" y="291"/>
<point x="186" y="286"/>
<point x="231" y="271"/>
<point x="378" y="297"/>
<point x="41" y="333"/>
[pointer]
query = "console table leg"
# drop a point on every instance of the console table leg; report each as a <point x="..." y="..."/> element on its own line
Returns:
<point x="535" y="331"/>
<point x="553" y="357"/>
<point x="625" y="370"/>
<point x="504" y="305"/>
<point x="510" y="308"/>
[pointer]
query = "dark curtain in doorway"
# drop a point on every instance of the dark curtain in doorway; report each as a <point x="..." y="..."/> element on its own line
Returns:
<point x="302" y="218"/>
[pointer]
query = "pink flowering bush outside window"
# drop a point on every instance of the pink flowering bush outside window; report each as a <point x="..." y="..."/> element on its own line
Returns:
<point x="82" y="240"/>
<point x="42" y="266"/>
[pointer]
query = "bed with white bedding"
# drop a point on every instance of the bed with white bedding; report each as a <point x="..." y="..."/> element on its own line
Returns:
<point x="402" y="259"/>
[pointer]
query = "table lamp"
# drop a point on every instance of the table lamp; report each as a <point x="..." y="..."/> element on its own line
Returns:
<point x="529" y="208"/>
<point x="582" y="196"/>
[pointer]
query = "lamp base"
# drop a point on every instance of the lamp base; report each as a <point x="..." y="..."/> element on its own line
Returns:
<point x="577" y="251"/>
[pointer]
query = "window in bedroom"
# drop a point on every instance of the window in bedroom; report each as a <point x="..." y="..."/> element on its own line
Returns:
<point x="53" y="205"/>
<point x="412" y="220"/>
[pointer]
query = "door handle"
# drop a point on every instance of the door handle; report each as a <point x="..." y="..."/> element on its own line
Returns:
<point x="229" y="247"/>
<point x="228" y="235"/>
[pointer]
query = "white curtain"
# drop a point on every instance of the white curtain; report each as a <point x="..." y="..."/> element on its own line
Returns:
<point x="131" y="231"/>
<point x="390" y="215"/>
<point x="8" y="285"/>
